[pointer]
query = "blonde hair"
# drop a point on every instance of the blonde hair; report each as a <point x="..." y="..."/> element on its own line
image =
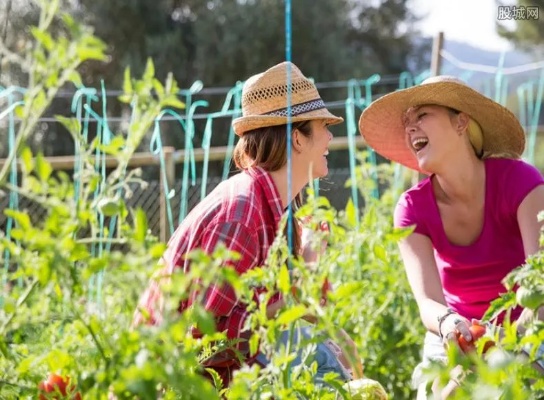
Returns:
<point x="476" y="138"/>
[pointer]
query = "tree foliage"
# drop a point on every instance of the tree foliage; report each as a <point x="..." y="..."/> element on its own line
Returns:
<point x="223" y="41"/>
<point x="529" y="31"/>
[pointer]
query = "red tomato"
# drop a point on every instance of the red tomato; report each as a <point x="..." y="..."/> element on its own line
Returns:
<point x="477" y="331"/>
<point x="57" y="385"/>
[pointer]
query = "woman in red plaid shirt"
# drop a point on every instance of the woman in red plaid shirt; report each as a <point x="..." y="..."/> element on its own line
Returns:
<point x="243" y="212"/>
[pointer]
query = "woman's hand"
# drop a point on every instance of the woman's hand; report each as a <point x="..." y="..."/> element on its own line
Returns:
<point x="454" y="326"/>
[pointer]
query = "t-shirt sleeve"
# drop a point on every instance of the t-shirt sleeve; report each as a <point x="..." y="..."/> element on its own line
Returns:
<point x="521" y="178"/>
<point x="406" y="215"/>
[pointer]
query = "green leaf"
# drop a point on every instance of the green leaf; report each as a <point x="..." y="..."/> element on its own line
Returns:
<point x="43" y="168"/>
<point x="254" y="343"/>
<point x="149" y="72"/>
<point x="127" y="83"/>
<point x="284" y="282"/>
<point x="291" y="315"/>
<point x="399" y="233"/>
<point x="38" y="101"/>
<point x="75" y="78"/>
<point x="157" y="250"/>
<point x="380" y="252"/>
<point x="351" y="214"/>
<point x="52" y="80"/>
<point x="159" y="88"/>
<point x="43" y="37"/>
<point x="349" y="289"/>
<point x="89" y="53"/>
<point x="27" y="160"/>
<point x="19" y="111"/>
<point x="114" y="147"/>
<point x="204" y="321"/>
<point x="173" y="101"/>
<point x="21" y="218"/>
<point x="17" y="234"/>
<point x="71" y="124"/>
<point x="9" y="306"/>
<point x="217" y="381"/>
<point x="58" y="360"/>
<point x="140" y="225"/>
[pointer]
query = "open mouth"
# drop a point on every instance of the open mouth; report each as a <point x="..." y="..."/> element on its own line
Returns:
<point x="419" y="143"/>
<point x="326" y="153"/>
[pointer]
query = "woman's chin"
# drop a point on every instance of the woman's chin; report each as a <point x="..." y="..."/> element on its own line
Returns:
<point x="426" y="165"/>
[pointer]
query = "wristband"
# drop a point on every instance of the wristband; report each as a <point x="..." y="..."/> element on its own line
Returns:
<point x="441" y="319"/>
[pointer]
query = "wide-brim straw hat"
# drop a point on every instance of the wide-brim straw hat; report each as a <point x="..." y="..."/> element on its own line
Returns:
<point x="265" y="96"/>
<point x="382" y="127"/>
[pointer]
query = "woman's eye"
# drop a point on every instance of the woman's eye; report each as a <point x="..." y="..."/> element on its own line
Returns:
<point x="419" y="116"/>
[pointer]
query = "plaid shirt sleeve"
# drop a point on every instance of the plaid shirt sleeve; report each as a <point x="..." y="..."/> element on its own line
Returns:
<point x="221" y="300"/>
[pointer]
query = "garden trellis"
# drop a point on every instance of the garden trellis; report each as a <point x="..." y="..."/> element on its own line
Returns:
<point x="509" y="86"/>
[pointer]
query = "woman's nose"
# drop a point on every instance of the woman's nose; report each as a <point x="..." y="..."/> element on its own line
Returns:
<point x="409" y="128"/>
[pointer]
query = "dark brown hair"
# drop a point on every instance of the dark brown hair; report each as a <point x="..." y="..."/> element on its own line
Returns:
<point x="267" y="148"/>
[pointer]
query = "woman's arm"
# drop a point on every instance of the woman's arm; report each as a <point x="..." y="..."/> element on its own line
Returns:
<point x="418" y="256"/>
<point x="529" y="225"/>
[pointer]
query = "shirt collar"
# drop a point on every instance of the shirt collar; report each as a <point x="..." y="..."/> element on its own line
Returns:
<point x="264" y="179"/>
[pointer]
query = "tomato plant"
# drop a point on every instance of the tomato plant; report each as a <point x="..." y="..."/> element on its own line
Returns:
<point x="58" y="385"/>
<point x="529" y="298"/>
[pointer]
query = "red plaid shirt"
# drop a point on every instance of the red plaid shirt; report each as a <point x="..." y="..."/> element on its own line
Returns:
<point x="242" y="212"/>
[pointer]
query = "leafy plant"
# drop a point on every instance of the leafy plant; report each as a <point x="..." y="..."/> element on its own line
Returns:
<point x="75" y="278"/>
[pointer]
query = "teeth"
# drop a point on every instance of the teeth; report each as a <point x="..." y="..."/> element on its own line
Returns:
<point x="419" y="143"/>
<point x="326" y="153"/>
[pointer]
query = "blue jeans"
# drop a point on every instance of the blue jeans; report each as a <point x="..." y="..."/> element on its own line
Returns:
<point x="324" y="356"/>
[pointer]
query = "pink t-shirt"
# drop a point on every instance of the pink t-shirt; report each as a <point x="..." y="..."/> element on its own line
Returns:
<point x="471" y="275"/>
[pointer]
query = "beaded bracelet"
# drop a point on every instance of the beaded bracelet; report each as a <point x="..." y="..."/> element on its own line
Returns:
<point x="441" y="319"/>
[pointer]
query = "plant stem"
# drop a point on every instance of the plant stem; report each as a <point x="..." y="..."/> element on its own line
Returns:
<point x="21" y="301"/>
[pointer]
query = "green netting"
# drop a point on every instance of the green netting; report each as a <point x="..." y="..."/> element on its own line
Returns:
<point x="522" y="95"/>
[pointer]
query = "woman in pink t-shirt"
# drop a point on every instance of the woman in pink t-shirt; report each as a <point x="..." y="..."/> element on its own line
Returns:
<point x="475" y="215"/>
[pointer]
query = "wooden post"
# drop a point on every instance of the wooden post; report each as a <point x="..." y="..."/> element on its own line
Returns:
<point x="170" y="171"/>
<point x="436" y="58"/>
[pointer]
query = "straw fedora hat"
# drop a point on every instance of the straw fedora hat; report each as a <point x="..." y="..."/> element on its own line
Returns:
<point x="264" y="100"/>
<point x="383" y="130"/>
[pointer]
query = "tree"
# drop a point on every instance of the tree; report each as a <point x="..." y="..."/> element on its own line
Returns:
<point x="529" y="29"/>
<point x="221" y="42"/>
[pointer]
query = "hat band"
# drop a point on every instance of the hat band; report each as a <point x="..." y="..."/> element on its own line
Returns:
<point x="298" y="109"/>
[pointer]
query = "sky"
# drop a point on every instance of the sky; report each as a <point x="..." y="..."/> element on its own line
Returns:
<point x="469" y="21"/>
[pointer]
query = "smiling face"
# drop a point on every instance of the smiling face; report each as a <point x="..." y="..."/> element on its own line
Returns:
<point x="431" y="134"/>
<point x="315" y="149"/>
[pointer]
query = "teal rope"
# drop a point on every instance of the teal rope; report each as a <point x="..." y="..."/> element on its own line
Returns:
<point x="13" y="196"/>
<point x="372" y="154"/>
<point x="287" y="376"/>
<point x="206" y="140"/>
<point x="234" y="95"/>
<point x="190" y="156"/>
<point x="529" y="110"/>
<point x="351" y="132"/>
<point x="77" y="108"/>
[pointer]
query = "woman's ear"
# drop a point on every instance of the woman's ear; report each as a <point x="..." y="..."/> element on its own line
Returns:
<point x="296" y="141"/>
<point x="462" y="122"/>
